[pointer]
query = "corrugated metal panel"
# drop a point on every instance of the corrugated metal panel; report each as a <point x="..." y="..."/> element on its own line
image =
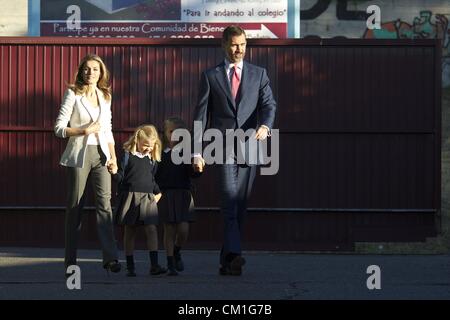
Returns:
<point x="263" y="231"/>
<point x="356" y="89"/>
<point x="370" y="171"/>
<point x="359" y="120"/>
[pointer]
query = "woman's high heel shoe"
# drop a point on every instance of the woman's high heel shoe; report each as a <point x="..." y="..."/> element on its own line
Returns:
<point x="113" y="266"/>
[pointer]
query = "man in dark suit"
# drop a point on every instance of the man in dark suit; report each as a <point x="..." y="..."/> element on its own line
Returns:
<point x="234" y="95"/>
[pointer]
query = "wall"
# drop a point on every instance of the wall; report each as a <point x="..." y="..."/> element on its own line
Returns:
<point x="13" y="18"/>
<point x="401" y="19"/>
<point x="349" y="166"/>
<point x="410" y="19"/>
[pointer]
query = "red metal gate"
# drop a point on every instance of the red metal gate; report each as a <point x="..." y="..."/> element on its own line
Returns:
<point x="359" y="128"/>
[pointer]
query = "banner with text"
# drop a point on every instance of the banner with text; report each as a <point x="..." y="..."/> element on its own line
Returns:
<point x="162" y="18"/>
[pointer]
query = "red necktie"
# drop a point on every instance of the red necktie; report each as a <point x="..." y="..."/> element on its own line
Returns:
<point x="234" y="82"/>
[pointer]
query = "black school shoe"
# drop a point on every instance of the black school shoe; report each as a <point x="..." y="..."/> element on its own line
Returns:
<point x="131" y="272"/>
<point x="172" y="272"/>
<point x="179" y="265"/>
<point x="157" y="270"/>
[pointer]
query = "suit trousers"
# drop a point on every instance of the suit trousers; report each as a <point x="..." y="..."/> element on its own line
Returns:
<point x="101" y="184"/>
<point x="236" y="183"/>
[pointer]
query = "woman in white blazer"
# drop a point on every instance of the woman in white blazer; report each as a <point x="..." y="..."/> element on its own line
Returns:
<point x="85" y="118"/>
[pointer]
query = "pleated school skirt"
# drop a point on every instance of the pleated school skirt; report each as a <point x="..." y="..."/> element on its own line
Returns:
<point x="175" y="206"/>
<point x="136" y="208"/>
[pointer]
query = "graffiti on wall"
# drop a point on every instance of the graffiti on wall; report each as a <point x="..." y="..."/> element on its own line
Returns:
<point x="342" y="11"/>
<point x="427" y="25"/>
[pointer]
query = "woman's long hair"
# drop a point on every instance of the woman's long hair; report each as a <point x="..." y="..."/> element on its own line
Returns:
<point x="80" y="87"/>
<point x="146" y="131"/>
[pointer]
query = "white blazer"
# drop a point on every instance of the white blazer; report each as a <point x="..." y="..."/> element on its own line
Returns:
<point x="74" y="111"/>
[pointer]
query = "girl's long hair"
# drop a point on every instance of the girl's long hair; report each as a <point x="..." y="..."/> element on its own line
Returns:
<point x="146" y="131"/>
<point x="80" y="87"/>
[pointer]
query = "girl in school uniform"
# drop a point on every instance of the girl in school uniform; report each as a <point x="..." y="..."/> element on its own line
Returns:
<point x="176" y="207"/>
<point x="139" y="193"/>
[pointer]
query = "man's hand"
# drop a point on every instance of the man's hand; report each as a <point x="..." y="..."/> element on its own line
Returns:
<point x="262" y="133"/>
<point x="198" y="163"/>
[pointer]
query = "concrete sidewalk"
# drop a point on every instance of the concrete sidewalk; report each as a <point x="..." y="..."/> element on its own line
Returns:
<point x="38" y="273"/>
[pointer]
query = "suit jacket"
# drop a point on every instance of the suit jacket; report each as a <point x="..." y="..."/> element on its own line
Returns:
<point x="74" y="111"/>
<point x="216" y="107"/>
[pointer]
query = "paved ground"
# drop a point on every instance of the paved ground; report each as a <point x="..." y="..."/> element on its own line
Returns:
<point x="37" y="273"/>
